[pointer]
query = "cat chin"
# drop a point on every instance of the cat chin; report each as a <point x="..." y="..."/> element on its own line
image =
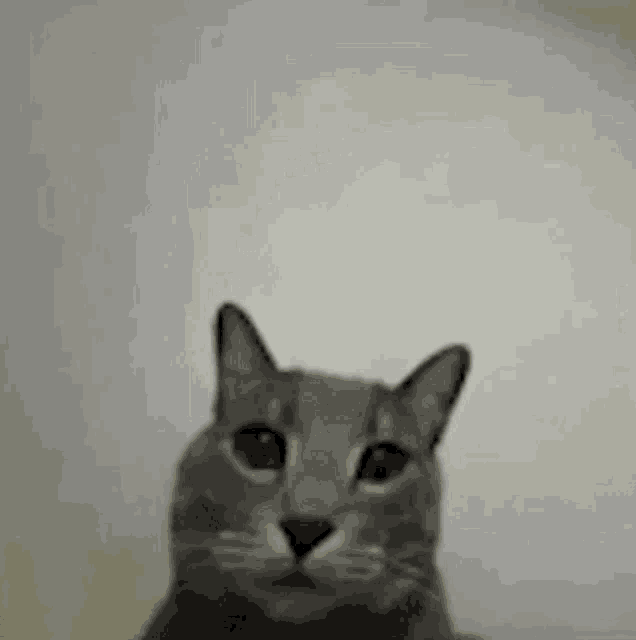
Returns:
<point x="303" y="606"/>
<point x="307" y="608"/>
<point x="299" y="607"/>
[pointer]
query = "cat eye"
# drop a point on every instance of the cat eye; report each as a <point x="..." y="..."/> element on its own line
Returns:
<point x="260" y="447"/>
<point x="381" y="462"/>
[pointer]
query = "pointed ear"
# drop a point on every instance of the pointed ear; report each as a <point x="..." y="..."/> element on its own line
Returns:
<point x="432" y="389"/>
<point x="239" y="348"/>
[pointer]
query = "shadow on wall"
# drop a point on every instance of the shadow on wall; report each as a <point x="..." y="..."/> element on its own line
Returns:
<point x="48" y="535"/>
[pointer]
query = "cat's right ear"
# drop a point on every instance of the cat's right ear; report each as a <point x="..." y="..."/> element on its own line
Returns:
<point x="239" y="348"/>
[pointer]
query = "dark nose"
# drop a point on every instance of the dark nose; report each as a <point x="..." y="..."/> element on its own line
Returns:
<point x="305" y="533"/>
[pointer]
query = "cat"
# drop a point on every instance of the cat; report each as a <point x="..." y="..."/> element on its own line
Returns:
<point x="310" y="508"/>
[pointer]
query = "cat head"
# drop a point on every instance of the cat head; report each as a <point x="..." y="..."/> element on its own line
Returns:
<point x="311" y="491"/>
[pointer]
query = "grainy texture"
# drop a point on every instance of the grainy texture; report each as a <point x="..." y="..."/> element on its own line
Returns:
<point x="311" y="505"/>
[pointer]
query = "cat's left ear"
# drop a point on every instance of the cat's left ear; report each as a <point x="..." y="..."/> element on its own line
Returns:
<point x="432" y="389"/>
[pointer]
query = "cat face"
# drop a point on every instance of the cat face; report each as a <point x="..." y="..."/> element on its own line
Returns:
<point x="312" y="492"/>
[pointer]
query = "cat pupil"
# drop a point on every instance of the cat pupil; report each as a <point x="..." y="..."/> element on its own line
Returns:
<point x="382" y="461"/>
<point x="260" y="447"/>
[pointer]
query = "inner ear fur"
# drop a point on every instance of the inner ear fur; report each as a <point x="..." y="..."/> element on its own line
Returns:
<point x="432" y="389"/>
<point x="239" y="346"/>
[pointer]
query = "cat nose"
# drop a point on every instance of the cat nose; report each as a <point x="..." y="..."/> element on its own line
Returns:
<point x="305" y="533"/>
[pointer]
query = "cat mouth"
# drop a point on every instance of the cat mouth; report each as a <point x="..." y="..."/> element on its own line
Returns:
<point x="296" y="581"/>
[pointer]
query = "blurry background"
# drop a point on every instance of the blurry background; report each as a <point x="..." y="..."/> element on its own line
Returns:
<point x="371" y="182"/>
